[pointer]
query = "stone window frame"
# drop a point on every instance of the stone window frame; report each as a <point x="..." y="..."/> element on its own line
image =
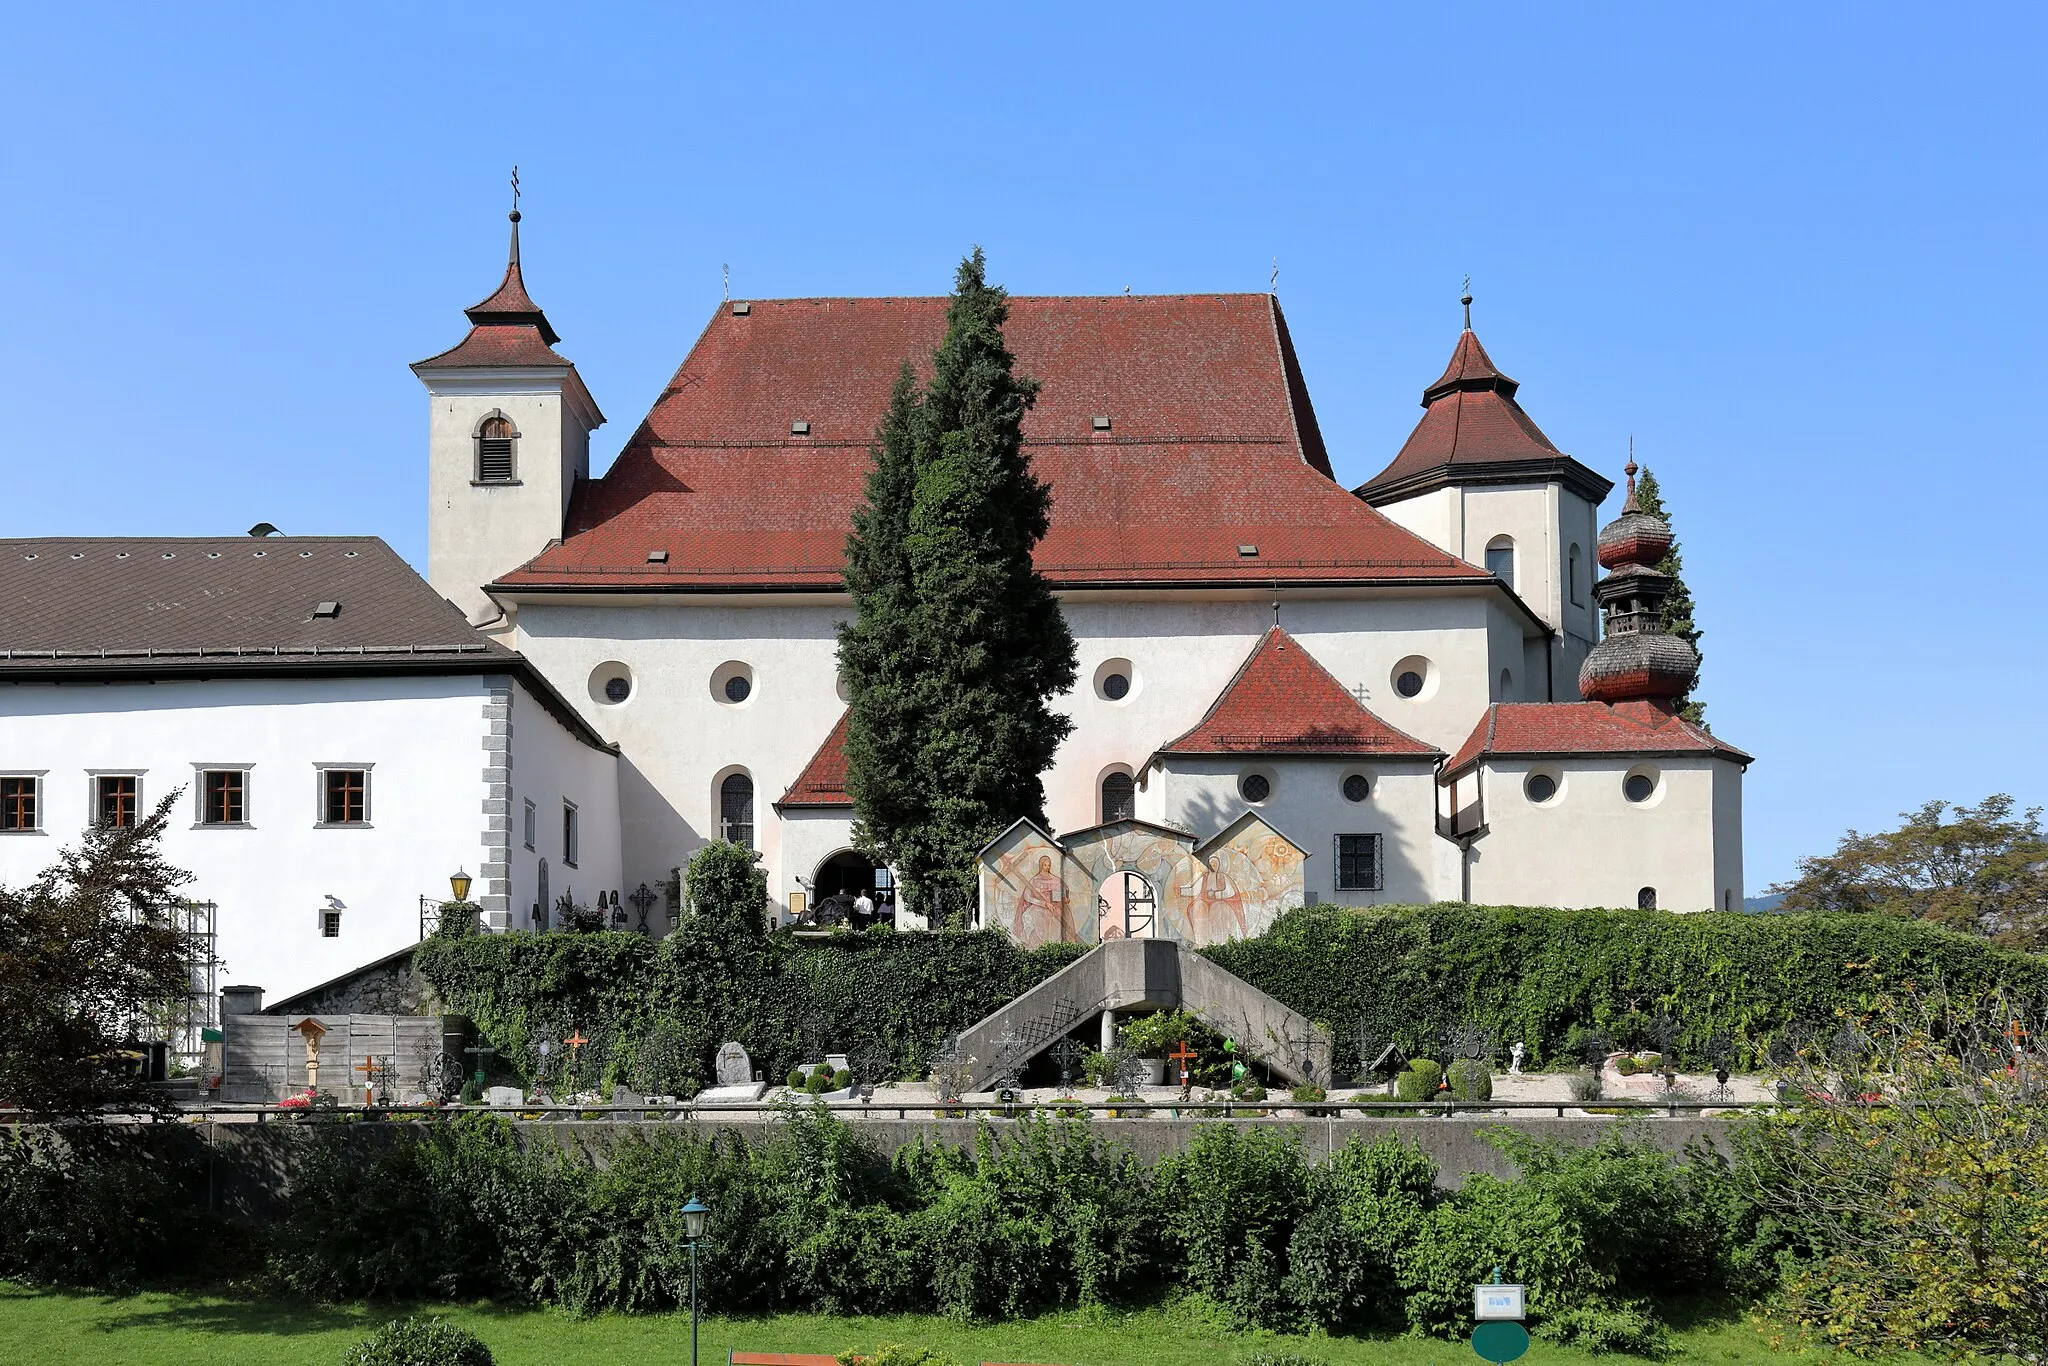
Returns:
<point x="320" y="772"/>
<point x="1375" y="876"/>
<point x="93" y="777"/>
<point x="200" y="770"/>
<point x="37" y="805"/>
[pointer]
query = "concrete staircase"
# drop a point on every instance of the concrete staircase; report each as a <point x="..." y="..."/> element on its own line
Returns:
<point x="1132" y="976"/>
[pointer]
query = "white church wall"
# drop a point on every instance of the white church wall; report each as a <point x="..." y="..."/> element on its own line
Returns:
<point x="419" y="736"/>
<point x="1728" y="835"/>
<point x="475" y="532"/>
<point x="680" y="735"/>
<point x="809" y="837"/>
<point x="1589" y="846"/>
<point x="1307" y="804"/>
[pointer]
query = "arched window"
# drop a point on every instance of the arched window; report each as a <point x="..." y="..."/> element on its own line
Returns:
<point x="494" y="443"/>
<point x="736" y="809"/>
<point x="1500" y="559"/>
<point x="1119" y="798"/>
<point x="1578" y="591"/>
<point x="1646" y="899"/>
<point x="1507" y="686"/>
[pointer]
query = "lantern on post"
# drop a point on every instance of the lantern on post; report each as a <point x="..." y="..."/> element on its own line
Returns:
<point x="694" y="1215"/>
<point x="458" y="883"/>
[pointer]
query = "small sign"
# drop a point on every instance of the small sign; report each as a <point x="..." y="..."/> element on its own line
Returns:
<point x="1500" y="1341"/>
<point x="1497" y="1302"/>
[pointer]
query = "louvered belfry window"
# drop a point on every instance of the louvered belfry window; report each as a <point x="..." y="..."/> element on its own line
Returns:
<point x="494" y="451"/>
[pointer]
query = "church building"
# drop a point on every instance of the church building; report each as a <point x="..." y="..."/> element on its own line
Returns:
<point x="1288" y="690"/>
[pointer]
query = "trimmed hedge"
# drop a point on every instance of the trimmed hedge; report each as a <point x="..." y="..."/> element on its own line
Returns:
<point x="1547" y="977"/>
<point x="655" y="1013"/>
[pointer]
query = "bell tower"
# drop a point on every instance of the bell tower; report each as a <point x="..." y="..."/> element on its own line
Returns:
<point x="508" y="439"/>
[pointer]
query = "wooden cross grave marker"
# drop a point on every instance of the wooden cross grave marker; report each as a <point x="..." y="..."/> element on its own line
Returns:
<point x="1184" y="1056"/>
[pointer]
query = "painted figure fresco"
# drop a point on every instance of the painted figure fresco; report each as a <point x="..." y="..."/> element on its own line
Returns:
<point x="1038" y="888"/>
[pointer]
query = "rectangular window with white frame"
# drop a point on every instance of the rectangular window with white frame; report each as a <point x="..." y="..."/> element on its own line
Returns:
<point x="532" y="819"/>
<point x="222" y="793"/>
<point x="116" y="800"/>
<point x="21" y="803"/>
<point x="569" y="833"/>
<point x="343" y="795"/>
<point x="1360" y="867"/>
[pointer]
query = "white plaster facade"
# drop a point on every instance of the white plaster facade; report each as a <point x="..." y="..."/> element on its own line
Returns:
<point x="1588" y="845"/>
<point x="426" y="741"/>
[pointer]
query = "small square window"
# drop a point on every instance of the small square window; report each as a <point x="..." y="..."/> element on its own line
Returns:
<point x="114" y="798"/>
<point x="344" y="796"/>
<point x="330" y="924"/>
<point x="569" y="833"/>
<point x="18" y="805"/>
<point x="224" y="796"/>
<point x="1358" y="863"/>
<point x="530" y="822"/>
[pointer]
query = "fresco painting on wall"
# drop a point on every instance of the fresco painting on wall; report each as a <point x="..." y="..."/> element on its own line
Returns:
<point x="1036" y="887"/>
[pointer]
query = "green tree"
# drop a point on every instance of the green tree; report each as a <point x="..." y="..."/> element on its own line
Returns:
<point x="1911" y="1181"/>
<point x="1677" y="618"/>
<point x="91" y="957"/>
<point x="958" y="644"/>
<point x="1984" y="872"/>
<point x="727" y="889"/>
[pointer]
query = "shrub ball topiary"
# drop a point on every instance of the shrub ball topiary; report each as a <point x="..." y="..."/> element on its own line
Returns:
<point x="419" y="1342"/>
<point x="817" y="1084"/>
<point x="823" y="1069"/>
<point x="795" y="1080"/>
<point x="842" y="1079"/>
<point x="1471" y="1079"/>
<point x="1419" y="1081"/>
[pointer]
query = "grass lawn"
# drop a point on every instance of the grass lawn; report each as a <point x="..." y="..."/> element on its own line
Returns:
<point x="164" y="1329"/>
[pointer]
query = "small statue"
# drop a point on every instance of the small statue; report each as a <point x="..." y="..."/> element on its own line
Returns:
<point x="1516" y="1052"/>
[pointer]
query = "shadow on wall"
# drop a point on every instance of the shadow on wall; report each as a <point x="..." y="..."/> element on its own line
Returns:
<point x="648" y="820"/>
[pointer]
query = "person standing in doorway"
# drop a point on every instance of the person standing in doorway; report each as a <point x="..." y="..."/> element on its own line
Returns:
<point x="863" y="910"/>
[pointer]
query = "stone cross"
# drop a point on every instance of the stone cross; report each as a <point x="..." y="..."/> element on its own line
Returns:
<point x="735" y="1068"/>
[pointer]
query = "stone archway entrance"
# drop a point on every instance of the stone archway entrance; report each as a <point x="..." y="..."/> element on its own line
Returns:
<point x="1125" y="907"/>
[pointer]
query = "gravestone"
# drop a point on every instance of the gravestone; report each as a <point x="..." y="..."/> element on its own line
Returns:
<point x="735" y="1068"/>
<point x="504" y="1095"/>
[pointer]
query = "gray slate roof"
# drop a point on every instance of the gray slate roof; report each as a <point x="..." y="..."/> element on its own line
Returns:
<point x="106" y="601"/>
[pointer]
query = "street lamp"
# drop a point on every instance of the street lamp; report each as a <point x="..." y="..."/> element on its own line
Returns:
<point x="694" y="1215"/>
<point x="459" y="884"/>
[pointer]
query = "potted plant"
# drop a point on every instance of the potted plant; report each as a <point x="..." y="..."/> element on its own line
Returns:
<point x="1152" y="1037"/>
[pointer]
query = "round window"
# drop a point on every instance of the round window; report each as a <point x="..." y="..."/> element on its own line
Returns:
<point x="611" y="683"/>
<point x="1640" y="787"/>
<point x="1255" y="787"/>
<point x="1541" y="787"/>
<point x="618" y="689"/>
<point x="1356" y="788"/>
<point x="738" y="687"/>
<point x="1409" y="683"/>
<point x="1116" y="687"/>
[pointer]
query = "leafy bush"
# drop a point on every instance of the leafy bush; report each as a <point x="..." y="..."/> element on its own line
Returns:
<point x="1585" y="1087"/>
<point x="1470" y="1079"/>
<point x="106" y="1206"/>
<point x="841" y="1079"/>
<point x="817" y="1083"/>
<point x="795" y="1079"/>
<point x="1629" y="1327"/>
<point x="1419" y="1081"/>
<point x="419" y="1341"/>
<point x="1408" y="974"/>
<point x="1244" y="1190"/>
<point x="1308" y="1094"/>
<point x="896" y="1354"/>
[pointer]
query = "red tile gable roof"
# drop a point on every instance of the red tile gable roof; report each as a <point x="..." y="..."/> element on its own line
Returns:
<point x="1473" y="428"/>
<point x="823" y="781"/>
<point x="1531" y="729"/>
<point x="1281" y="701"/>
<point x="1212" y="445"/>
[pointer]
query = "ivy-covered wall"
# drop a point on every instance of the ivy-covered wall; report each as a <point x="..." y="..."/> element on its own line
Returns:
<point x="1547" y="977"/>
<point x="655" y="1013"/>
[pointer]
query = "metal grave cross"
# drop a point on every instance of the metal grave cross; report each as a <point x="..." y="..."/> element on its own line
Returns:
<point x="642" y="899"/>
<point x="482" y="1052"/>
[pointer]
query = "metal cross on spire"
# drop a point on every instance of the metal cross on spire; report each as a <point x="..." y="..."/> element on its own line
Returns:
<point x="515" y="189"/>
<point x="1273" y="283"/>
<point x="1465" y="298"/>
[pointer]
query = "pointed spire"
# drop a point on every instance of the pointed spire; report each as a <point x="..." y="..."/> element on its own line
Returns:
<point x="1466" y="299"/>
<point x="510" y="303"/>
<point x="1630" y="470"/>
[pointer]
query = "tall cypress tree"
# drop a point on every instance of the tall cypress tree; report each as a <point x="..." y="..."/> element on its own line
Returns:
<point x="874" y="654"/>
<point x="958" y="645"/>
<point x="1677" y="616"/>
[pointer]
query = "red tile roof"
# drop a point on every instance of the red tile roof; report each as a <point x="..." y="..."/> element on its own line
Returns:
<point x="1212" y="446"/>
<point x="507" y="329"/>
<point x="823" y="781"/>
<point x="1472" y="428"/>
<point x="1281" y="701"/>
<point x="1532" y="729"/>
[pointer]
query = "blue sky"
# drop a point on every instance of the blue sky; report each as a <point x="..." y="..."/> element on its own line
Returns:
<point x="1794" y="250"/>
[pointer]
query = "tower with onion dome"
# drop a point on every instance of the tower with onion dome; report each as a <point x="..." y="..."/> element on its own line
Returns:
<point x="1636" y="659"/>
